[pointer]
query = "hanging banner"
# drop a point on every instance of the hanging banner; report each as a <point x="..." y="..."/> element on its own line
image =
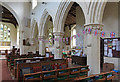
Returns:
<point x="67" y="39"/>
<point x="63" y="39"/>
<point x="95" y="32"/>
<point x="102" y="34"/>
<point x="74" y="36"/>
<point x="89" y="30"/>
<point x="54" y="39"/>
<point x="57" y="39"/>
<point x="60" y="39"/>
<point x="83" y="31"/>
<point x="78" y="34"/>
<point x="71" y="38"/>
<point x="112" y="34"/>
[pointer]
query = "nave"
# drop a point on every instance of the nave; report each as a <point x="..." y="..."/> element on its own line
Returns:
<point x="63" y="40"/>
<point x="32" y="67"/>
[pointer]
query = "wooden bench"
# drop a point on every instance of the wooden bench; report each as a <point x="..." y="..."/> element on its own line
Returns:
<point x="42" y="66"/>
<point x="58" y="74"/>
<point x="24" y="60"/>
<point x="97" y="77"/>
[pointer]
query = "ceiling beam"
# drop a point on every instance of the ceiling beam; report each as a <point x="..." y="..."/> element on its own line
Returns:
<point x="72" y="14"/>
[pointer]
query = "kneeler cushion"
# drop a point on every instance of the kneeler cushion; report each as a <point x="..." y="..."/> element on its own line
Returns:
<point x="55" y="66"/>
<point x="83" y="73"/>
<point x="74" y="75"/>
<point x="37" y="69"/>
<point x="63" y="71"/>
<point x="27" y="70"/>
<point x="62" y="66"/>
<point x="48" y="74"/>
<point x="98" y="77"/>
<point x="46" y="68"/>
<point x="74" y="69"/>
<point x="83" y="68"/>
<point x="62" y="77"/>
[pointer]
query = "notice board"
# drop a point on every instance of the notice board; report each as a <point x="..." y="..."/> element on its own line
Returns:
<point x="112" y="47"/>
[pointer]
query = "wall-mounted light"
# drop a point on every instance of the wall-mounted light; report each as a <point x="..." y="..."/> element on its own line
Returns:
<point x="44" y="3"/>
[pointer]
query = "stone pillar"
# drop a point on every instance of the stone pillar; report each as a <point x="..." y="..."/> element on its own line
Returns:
<point x="21" y="42"/>
<point x="58" y="45"/>
<point x="41" y="45"/>
<point x="93" y="48"/>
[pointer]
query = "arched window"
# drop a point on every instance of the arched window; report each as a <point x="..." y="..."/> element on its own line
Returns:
<point x="4" y="35"/>
<point x="34" y="3"/>
<point x="50" y="35"/>
<point x="73" y="32"/>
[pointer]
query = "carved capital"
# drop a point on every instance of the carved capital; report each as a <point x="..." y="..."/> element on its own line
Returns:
<point x="58" y="33"/>
<point x="94" y="26"/>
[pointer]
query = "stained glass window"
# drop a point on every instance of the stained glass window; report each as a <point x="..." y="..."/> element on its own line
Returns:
<point x="50" y="35"/>
<point x="4" y="35"/>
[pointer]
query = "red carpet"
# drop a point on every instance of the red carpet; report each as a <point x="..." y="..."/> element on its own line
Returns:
<point x="5" y="72"/>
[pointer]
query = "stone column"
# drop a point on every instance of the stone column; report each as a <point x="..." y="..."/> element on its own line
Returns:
<point x="41" y="45"/>
<point x="93" y="48"/>
<point x="21" y="42"/>
<point x="58" y="45"/>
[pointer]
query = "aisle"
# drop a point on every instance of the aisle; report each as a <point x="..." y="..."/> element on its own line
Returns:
<point x="5" y="72"/>
<point x="2" y="57"/>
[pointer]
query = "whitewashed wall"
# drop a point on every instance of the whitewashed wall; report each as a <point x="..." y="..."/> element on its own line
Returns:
<point x="110" y="18"/>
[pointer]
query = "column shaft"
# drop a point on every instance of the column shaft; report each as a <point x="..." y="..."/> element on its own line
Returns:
<point x="58" y="45"/>
<point x="93" y="48"/>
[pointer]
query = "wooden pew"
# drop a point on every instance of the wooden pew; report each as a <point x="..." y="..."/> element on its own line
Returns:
<point x="42" y="64"/>
<point x="11" y="61"/>
<point x="63" y="74"/>
<point x="55" y="75"/>
<point x="97" y="77"/>
<point x="33" y="77"/>
<point x="24" y="60"/>
<point x="48" y="76"/>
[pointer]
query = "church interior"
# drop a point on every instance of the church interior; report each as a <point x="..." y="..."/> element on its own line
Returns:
<point x="62" y="40"/>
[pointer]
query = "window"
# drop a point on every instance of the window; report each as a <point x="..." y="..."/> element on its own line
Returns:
<point x="73" y="41"/>
<point x="50" y="35"/>
<point x="34" y="3"/>
<point x="4" y="35"/>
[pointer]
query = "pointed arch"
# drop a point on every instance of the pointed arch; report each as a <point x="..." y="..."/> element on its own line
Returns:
<point x="13" y="12"/>
<point x="43" y="20"/>
<point x="96" y="11"/>
<point x="33" y="28"/>
<point x="62" y="12"/>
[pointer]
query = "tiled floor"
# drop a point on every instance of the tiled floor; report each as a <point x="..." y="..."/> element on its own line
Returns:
<point x="5" y="73"/>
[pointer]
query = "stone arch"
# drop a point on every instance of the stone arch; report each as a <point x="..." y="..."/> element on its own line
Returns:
<point x="95" y="11"/>
<point x="34" y="25"/>
<point x="18" y="21"/>
<point x="43" y="20"/>
<point x="62" y="12"/>
<point x="13" y="12"/>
